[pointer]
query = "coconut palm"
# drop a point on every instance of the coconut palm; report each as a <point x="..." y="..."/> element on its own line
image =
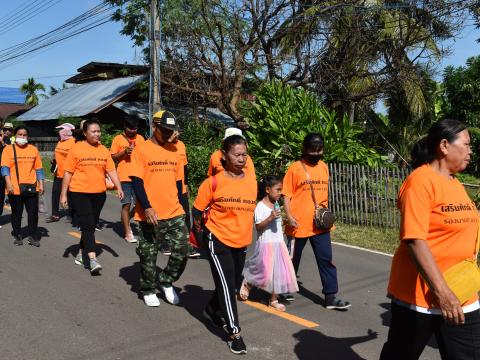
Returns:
<point x="30" y="89"/>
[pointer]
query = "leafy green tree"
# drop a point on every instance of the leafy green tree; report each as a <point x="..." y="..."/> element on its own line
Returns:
<point x="30" y="89"/>
<point x="282" y="116"/>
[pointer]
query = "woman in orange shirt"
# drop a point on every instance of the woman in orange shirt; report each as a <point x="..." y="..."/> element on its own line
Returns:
<point x="231" y="196"/>
<point x="438" y="229"/>
<point x="87" y="164"/>
<point x="29" y="174"/>
<point x="300" y="209"/>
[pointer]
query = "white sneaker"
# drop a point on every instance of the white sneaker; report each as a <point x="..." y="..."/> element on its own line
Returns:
<point x="170" y="294"/>
<point x="151" y="300"/>
<point x="130" y="238"/>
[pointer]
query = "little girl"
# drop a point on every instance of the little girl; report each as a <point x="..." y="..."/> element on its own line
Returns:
<point x="270" y="267"/>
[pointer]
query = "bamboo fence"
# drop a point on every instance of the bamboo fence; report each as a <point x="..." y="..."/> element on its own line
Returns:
<point x="362" y="195"/>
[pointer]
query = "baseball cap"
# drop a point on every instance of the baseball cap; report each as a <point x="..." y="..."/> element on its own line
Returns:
<point x="232" y="131"/>
<point x="8" y="125"/>
<point x="166" y="120"/>
<point x="66" y="126"/>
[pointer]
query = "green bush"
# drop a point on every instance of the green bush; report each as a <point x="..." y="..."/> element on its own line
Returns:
<point x="201" y="138"/>
<point x="282" y="116"/>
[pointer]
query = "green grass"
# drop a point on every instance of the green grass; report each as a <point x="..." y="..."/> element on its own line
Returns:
<point x="380" y="239"/>
<point x="46" y="167"/>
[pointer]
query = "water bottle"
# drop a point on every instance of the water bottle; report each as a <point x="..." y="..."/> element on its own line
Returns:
<point x="276" y="207"/>
<point x="41" y="204"/>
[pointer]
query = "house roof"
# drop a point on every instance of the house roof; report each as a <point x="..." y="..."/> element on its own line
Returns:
<point x="140" y="110"/>
<point x="82" y="99"/>
<point x="7" y="110"/>
<point x="102" y="71"/>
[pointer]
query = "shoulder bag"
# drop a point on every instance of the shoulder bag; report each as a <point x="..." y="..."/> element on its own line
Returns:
<point x="464" y="278"/>
<point x="323" y="218"/>
<point x="25" y="189"/>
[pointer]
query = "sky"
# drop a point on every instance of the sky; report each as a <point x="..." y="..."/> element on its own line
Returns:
<point x="105" y="44"/>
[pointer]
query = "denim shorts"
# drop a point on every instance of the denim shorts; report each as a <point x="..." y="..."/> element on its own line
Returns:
<point x="129" y="194"/>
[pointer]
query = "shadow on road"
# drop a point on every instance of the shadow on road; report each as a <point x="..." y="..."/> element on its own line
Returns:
<point x="313" y="345"/>
<point x="194" y="299"/>
<point x="310" y="295"/>
<point x="131" y="275"/>
<point x="117" y="226"/>
<point x="73" y="250"/>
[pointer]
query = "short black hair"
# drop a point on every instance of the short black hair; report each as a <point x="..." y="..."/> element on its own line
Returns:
<point x="313" y="142"/>
<point x="130" y="122"/>
<point x="20" y="127"/>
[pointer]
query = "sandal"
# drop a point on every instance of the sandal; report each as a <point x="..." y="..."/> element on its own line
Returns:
<point x="52" y="218"/>
<point x="244" y="291"/>
<point x="276" y="305"/>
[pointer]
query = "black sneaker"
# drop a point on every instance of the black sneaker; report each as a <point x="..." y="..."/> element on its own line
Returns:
<point x="165" y="249"/>
<point x="215" y="318"/>
<point x="337" y="304"/>
<point x="17" y="240"/>
<point x="286" y="297"/>
<point x="194" y="254"/>
<point x="237" y="346"/>
<point x="99" y="227"/>
<point x="32" y="241"/>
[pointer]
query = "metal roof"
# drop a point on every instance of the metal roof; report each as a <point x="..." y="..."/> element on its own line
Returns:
<point x="140" y="110"/>
<point x="82" y="99"/>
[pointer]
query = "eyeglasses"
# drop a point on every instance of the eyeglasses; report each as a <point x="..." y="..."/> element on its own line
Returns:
<point x="7" y="129"/>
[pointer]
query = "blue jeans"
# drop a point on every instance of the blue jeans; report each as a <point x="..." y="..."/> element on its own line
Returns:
<point x="322" y="248"/>
<point x="128" y="193"/>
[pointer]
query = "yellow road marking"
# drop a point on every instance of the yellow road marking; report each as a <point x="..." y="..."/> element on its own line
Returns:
<point x="78" y="236"/>
<point x="293" y="318"/>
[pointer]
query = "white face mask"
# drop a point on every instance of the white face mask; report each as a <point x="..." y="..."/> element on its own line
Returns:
<point x="21" y="141"/>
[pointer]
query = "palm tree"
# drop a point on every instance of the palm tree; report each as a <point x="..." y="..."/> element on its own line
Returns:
<point x="30" y="89"/>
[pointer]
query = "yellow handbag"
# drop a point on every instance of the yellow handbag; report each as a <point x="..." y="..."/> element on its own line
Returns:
<point x="464" y="278"/>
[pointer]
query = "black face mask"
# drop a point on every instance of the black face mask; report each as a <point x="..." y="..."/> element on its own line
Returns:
<point x="312" y="159"/>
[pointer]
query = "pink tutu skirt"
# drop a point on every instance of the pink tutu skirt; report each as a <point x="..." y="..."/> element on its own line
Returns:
<point x="270" y="268"/>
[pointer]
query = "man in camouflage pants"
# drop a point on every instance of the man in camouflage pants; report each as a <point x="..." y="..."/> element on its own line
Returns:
<point x="157" y="179"/>
<point x="174" y="233"/>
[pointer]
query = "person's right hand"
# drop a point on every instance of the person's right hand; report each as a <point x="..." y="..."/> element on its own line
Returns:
<point x="293" y="222"/>
<point x="10" y="189"/>
<point x="276" y="214"/>
<point x="128" y="150"/>
<point x="450" y="307"/>
<point x="151" y="216"/>
<point x="63" y="201"/>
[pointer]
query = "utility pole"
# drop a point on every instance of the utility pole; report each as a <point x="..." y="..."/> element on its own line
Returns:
<point x="155" y="99"/>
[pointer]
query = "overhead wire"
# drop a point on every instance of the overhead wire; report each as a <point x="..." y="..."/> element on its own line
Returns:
<point x="19" y="20"/>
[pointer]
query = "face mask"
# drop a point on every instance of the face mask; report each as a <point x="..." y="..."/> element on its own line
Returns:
<point x="312" y="159"/>
<point x="21" y="141"/>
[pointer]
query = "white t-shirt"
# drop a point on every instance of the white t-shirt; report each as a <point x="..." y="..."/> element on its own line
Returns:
<point x="273" y="232"/>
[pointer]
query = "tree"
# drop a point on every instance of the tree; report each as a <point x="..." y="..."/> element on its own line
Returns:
<point x="350" y="52"/>
<point x="30" y="89"/>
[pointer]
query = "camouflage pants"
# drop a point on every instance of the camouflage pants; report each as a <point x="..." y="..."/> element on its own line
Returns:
<point x="172" y="231"/>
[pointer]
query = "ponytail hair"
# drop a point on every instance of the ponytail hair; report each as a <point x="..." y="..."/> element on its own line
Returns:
<point x="267" y="181"/>
<point x="425" y="150"/>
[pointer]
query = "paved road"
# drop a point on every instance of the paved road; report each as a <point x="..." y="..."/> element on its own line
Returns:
<point x="52" y="309"/>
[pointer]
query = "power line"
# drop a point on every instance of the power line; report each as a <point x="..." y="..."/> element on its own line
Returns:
<point x="15" y="22"/>
<point x="38" y="77"/>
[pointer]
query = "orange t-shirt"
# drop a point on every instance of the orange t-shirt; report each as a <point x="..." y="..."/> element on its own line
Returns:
<point x="28" y="159"/>
<point x="296" y="188"/>
<point x="160" y="168"/>
<point x="179" y="147"/>
<point x="119" y="143"/>
<point x="439" y="211"/>
<point x="232" y="206"/>
<point x="215" y="165"/>
<point x="89" y="165"/>
<point x="61" y="152"/>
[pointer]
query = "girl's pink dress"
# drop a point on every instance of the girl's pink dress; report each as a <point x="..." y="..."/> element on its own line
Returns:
<point x="270" y="267"/>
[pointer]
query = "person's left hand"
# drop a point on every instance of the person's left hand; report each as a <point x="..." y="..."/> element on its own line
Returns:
<point x="120" y="194"/>
<point x="41" y="189"/>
